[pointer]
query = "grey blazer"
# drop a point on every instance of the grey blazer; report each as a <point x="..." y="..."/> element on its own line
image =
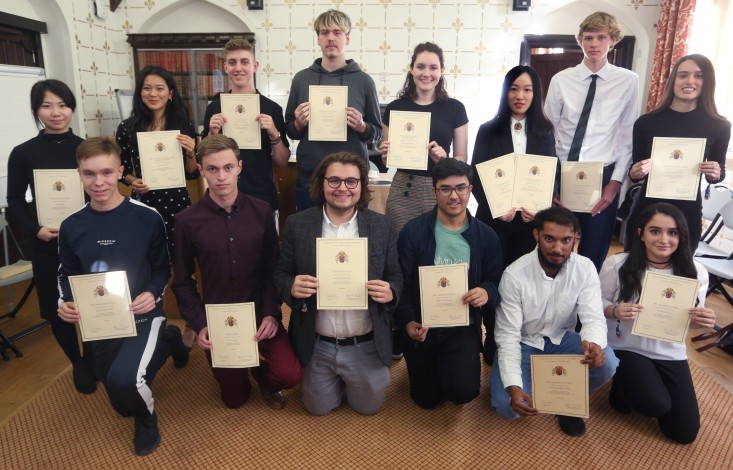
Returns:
<point x="298" y="256"/>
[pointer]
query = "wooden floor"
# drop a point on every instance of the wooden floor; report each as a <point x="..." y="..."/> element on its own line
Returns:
<point x="22" y="378"/>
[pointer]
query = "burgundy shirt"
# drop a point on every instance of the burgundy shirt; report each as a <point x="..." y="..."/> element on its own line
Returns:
<point x="236" y="253"/>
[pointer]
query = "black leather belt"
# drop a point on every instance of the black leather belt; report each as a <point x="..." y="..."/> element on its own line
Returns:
<point x="351" y="341"/>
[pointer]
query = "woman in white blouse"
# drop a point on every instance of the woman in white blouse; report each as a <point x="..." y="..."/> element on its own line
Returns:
<point x="653" y="377"/>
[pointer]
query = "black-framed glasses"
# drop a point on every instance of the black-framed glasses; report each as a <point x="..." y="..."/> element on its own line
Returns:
<point x="335" y="182"/>
<point x="461" y="190"/>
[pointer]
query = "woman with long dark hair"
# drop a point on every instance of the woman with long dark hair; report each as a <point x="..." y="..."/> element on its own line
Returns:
<point x="653" y="377"/>
<point x="157" y="106"/>
<point x="519" y="126"/>
<point x="54" y="148"/>
<point x="424" y="90"/>
<point x="688" y="110"/>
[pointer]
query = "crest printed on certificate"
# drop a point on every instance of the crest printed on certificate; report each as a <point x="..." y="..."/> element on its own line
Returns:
<point x="241" y="111"/>
<point x="560" y="384"/>
<point x="497" y="178"/>
<point x="442" y="288"/>
<point x="409" y="137"/>
<point x="342" y="272"/>
<point x="675" y="172"/>
<point x="534" y="181"/>
<point x="161" y="160"/>
<point x="103" y="302"/>
<point x="667" y="300"/>
<point x="581" y="185"/>
<point x="328" y="113"/>
<point x="232" y="330"/>
<point x="58" y="194"/>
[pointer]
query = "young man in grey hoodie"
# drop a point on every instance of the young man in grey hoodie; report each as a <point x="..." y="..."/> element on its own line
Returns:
<point x="333" y="69"/>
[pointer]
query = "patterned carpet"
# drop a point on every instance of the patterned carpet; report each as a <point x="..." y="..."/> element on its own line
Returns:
<point x="63" y="429"/>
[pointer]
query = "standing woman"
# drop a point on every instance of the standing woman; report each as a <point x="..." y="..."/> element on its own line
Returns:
<point x="687" y="109"/>
<point x="653" y="377"/>
<point x="411" y="193"/>
<point x="519" y="126"/>
<point x="54" y="148"/>
<point x="157" y="106"/>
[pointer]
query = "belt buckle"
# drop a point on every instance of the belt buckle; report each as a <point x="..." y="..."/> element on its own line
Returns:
<point x="343" y="342"/>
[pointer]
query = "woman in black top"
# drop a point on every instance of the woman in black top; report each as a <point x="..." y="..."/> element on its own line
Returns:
<point x="519" y="126"/>
<point x="54" y="148"/>
<point x="157" y="106"/>
<point x="687" y="109"/>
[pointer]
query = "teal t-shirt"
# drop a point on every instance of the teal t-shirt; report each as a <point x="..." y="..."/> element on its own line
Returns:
<point x="450" y="246"/>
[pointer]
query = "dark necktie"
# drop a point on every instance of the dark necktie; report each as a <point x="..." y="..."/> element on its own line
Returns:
<point x="574" y="153"/>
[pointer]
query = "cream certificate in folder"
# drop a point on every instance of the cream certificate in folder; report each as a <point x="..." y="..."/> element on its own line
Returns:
<point x="342" y="272"/>
<point x="161" y="160"/>
<point x="409" y="136"/>
<point x="58" y="194"/>
<point x="328" y="113"/>
<point x="675" y="172"/>
<point x="442" y="288"/>
<point x="667" y="300"/>
<point x="103" y="302"/>
<point x="560" y="384"/>
<point x="581" y="185"/>
<point x="241" y="111"/>
<point x="232" y="330"/>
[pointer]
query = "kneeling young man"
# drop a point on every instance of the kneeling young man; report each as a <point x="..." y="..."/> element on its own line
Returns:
<point x="444" y="363"/>
<point x="543" y="293"/>
<point x="233" y="237"/>
<point x="345" y="353"/>
<point x="116" y="233"/>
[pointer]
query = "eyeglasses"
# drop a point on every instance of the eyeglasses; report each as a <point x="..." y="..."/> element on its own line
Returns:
<point x="461" y="190"/>
<point x="335" y="182"/>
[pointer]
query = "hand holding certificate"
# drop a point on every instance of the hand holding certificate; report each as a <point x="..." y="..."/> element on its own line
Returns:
<point x="58" y="194"/>
<point x="232" y="329"/>
<point x="518" y="180"/>
<point x="675" y="172"/>
<point x="241" y="111"/>
<point x="581" y="184"/>
<point x="342" y="272"/>
<point x="441" y="295"/>
<point x="560" y="384"/>
<point x="161" y="160"/>
<point x="327" y="113"/>
<point x="103" y="303"/>
<point x="409" y="136"/>
<point x="667" y="301"/>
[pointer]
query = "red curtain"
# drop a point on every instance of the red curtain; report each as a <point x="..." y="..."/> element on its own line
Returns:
<point x="675" y="23"/>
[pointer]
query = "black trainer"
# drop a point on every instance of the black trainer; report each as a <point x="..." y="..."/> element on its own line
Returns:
<point x="84" y="379"/>
<point x="570" y="425"/>
<point x="397" y="344"/>
<point x="179" y="351"/>
<point x="147" y="437"/>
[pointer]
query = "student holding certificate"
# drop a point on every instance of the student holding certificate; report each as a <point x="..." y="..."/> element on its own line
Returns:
<point x="157" y="106"/>
<point x="52" y="104"/>
<point x="520" y="126"/>
<point x="115" y="233"/>
<point x="424" y="90"/>
<point x="687" y="109"/>
<point x="653" y="377"/>
<point x="443" y="363"/>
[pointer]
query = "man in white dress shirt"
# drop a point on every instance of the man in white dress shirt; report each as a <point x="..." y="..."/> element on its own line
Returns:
<point x="542" y="294"/>
<point x="606" y="137"/>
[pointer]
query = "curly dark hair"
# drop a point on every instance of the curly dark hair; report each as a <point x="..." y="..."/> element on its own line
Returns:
<point x="345" y="158"/>
<point x="409" y="89"/>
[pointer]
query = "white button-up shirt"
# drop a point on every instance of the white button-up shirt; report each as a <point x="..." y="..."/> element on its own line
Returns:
<point x="342" y="323"/>
<point x="534" y="306"/>
<point x="608" y="136"/>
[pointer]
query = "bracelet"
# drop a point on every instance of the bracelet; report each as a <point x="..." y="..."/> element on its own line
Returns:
<point x="191" y="156"/>
<point x="613" y="311"/>
<point x="275" y="142"/>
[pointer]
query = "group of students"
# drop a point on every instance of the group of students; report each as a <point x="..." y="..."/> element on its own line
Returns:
<point x="526" y="286"/>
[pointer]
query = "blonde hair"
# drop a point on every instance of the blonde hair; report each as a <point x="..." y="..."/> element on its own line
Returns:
<point x="333" y="17"/>
<point x="598" y="21"/>
<point x="95" y="146"/>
